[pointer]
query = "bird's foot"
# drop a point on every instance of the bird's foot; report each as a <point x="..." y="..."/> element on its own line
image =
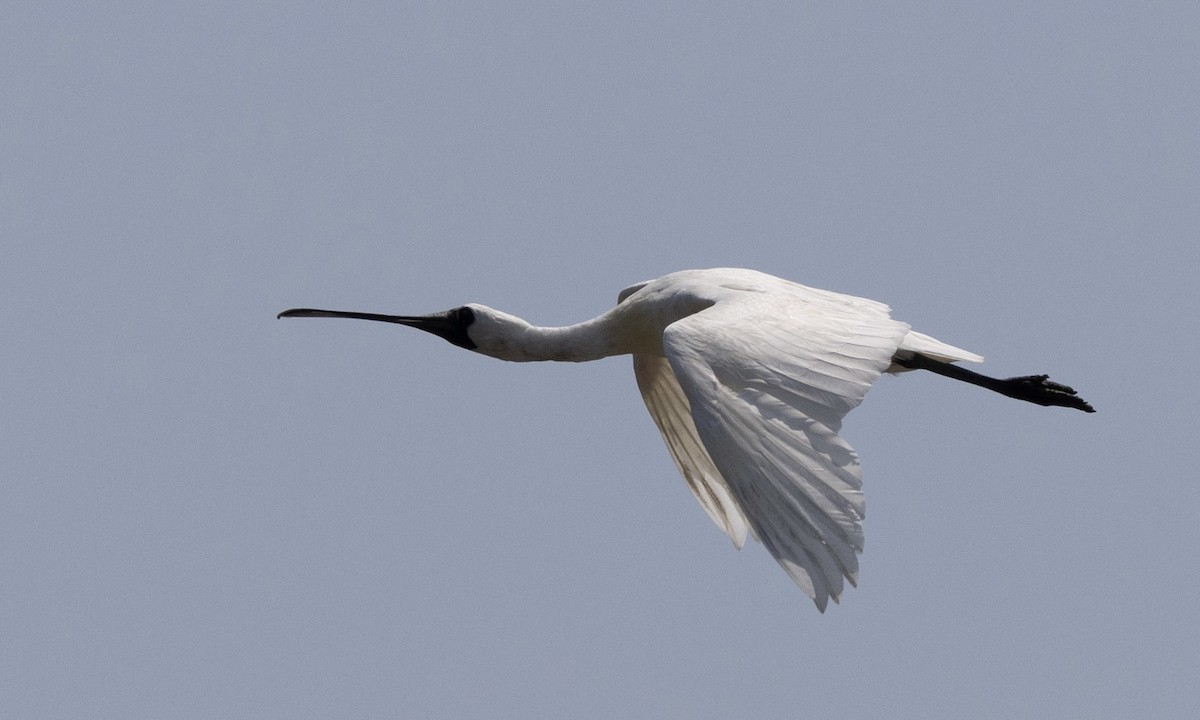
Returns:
<point x="1040" y="389"/>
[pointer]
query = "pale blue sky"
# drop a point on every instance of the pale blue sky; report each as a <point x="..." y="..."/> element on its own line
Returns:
<point x="205" y="512"/>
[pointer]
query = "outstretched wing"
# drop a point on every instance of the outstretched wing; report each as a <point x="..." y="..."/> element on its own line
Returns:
<point x="673" y="416"/>
<point x="768" y="378"/>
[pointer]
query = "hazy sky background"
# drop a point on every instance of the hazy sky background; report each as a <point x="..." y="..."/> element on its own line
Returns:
<point x="208" y="513"/>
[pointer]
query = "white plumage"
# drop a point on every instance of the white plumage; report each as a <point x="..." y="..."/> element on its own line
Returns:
<point x="750" y="395"/>
<point x="747" y="377"/>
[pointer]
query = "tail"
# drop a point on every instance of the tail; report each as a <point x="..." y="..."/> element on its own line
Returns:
<point x="915" y="343"/>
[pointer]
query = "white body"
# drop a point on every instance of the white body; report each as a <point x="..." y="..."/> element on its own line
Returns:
<point x="748" y="377"/>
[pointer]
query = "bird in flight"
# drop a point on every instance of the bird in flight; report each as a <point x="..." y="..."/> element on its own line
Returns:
<point x="747" y="377"/>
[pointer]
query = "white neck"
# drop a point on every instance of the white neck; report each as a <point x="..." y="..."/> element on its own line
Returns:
<point x="590" y="340"/>
<point x="604" y="336"/>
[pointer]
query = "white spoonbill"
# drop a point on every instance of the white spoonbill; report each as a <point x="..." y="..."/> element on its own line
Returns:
<point x="748" y="377"/>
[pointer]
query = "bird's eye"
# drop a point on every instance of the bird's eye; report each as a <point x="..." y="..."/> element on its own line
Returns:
<point x="463" y="315"/>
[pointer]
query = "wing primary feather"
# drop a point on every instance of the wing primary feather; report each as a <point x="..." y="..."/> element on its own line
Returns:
<point x="829" y="528"/>
<point x="672" y="414"/>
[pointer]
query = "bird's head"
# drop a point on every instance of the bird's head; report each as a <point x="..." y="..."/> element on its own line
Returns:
<point x="474" y="327"/>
